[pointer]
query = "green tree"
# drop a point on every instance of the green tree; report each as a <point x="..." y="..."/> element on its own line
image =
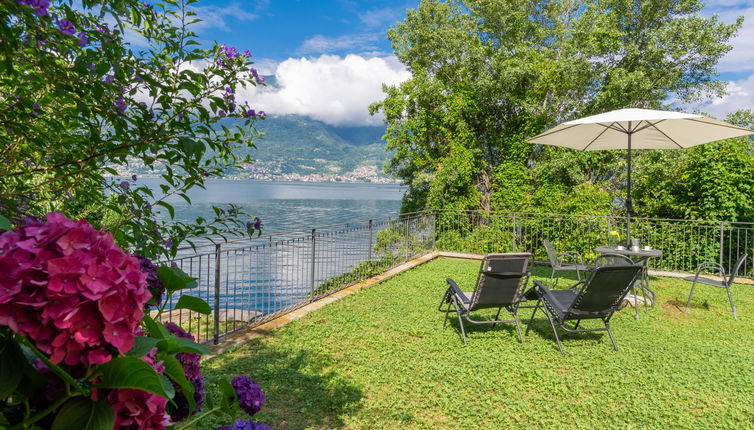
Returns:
<point x="713" y="181"/>
<point x="78" y="105"/>
<point x="487" y="74"/>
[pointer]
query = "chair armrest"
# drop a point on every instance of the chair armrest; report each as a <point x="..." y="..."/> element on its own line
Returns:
<point x="710" y="265"/>
<point x="457" y="290"/>
<point x="573" y="255"/>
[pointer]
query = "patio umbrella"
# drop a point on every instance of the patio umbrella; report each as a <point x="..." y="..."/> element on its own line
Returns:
<point x="638" y="129"/>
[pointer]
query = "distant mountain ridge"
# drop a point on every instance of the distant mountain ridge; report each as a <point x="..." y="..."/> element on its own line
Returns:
<point x="299" y="148"/>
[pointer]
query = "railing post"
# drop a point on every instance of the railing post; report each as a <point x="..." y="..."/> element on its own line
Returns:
<point x="722" y="235"/>
<point x="407" y="246"/>
<point x="314" y="254"/>
<point x="434" y="230"/>
<point x="369" y="251"/>
<point x="218" y="252"/>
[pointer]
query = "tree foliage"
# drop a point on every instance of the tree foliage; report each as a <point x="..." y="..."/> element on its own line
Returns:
<point x="79" y="104"/>
<point x="488" y="74"/>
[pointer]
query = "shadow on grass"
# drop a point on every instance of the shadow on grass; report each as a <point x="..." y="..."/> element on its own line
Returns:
<point x="301" y="390"/>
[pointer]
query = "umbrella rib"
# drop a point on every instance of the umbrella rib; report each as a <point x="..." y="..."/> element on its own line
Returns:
<point x="597" y="137"/>
<point x="721" y="125"/>
<point x="669" y="138"/>
<point x="649" y="124"/>
<point x="553" y="132"/>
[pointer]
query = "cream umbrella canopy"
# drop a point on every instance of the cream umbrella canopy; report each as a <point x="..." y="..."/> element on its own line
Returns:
<point x="638" y="129"/>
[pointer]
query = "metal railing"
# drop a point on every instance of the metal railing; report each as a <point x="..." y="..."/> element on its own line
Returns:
<point x="250" y="281"/>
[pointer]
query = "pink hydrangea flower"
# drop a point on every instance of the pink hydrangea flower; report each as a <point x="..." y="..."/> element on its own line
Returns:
<point x="140" y="410"/>
<point x="70" y="289"/>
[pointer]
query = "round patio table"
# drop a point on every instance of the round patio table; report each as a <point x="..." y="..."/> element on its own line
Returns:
<point x="642" y="257"/>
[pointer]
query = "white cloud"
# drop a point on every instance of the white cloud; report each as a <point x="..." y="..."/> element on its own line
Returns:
<point x="320" y="44"/>
<point x="740" y="96"/>
<point x="332" y="89"/>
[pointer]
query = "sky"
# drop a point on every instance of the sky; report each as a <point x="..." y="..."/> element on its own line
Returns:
<point x="331" y="57"/>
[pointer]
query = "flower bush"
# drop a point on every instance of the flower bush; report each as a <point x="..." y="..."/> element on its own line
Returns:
<point x="71" y="290"/>
<point x="76" y="345"/>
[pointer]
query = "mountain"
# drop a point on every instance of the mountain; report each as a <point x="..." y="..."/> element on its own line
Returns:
<point x="298" y="148"/>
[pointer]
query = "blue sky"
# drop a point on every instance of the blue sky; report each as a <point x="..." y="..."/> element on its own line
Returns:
<point x="331" y="57"/>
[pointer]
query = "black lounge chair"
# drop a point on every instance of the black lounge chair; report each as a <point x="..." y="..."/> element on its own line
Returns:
<point x="501" y="280"/>
<point x="596" y="297"/>
<point x="558" y="263"/>
<point x="722" y="283"/>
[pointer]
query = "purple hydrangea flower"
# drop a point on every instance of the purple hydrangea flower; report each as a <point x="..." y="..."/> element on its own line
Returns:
<point x="192" y="368"/>
<point x="246" y="425"/>
<point x="250" y="395"/>
<point x="66" y="27"/>
<point x="83" y="40"/>
<point x="155" y="285"/>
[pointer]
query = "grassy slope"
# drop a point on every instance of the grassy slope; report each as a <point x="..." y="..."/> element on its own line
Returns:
<point x="380" y="359"/>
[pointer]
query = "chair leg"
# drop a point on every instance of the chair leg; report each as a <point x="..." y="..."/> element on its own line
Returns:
<point x="576" y="327"/>
<point x="460" y="321"/>
<point x="732" y="307"/>
<point x="528" y="326"/>
<point x="447" y="311"/>
<point x="553" y="279"/>
<point x="518" y="326"/>
<point x="610" y="333"/>
<point x="691" y="293"/>
<point x="554" y="330"/>
<point x="497" y="315"/>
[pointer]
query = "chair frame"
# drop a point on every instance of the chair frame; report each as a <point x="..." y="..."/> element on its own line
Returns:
<point x="581" y="287"/>
<point x="454" y="297"/>
<point x="558" y="263"/>
<point x="726" y="281"/>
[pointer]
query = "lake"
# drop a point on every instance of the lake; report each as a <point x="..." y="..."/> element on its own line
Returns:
<point x="284" y="206"/>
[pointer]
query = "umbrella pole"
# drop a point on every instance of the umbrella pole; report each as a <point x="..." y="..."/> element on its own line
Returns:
<point x="628" y="192"/>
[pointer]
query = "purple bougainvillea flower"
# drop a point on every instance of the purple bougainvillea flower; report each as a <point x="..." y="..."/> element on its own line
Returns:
<point x="40" y="6"/>
<point x="66" y="27"/>
<point x="83" y="40"/>
<point x="250" y="395"/>
<point x="121" y="105"/>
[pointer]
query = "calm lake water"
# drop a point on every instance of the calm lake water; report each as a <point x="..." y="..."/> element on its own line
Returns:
<point x="284" y="206"/>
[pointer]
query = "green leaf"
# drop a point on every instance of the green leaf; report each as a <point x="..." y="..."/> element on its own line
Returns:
<point x="175" y="279"/>
<point x="85" y="414"/>
<point x="155" y="329"/>
<point x="167" y="206"/>
<point x="131" y="372"/>
<point x="142" y="345"/>
<point x="174" y="370"/>
<point x="193" y="303"/>
<point x="5" y="223"/>
<point x="228" y="395"/>
<point x="188" y="345"/>
<point x="11" y="368"/>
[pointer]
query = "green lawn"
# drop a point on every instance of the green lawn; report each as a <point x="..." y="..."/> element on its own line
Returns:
<point x="381" y="359"/>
